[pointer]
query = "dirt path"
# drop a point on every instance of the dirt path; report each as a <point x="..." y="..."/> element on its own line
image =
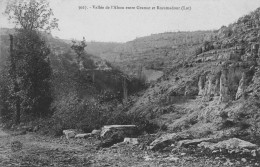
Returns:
<point x="42" y="151"/>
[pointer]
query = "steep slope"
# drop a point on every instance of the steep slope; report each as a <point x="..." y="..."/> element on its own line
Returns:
<point x="216" y="88"/>
<point x="97" y="77"/>
<point x="155" y="54"/>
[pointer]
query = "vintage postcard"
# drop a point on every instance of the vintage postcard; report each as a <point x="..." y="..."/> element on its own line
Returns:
<point x="138" y="83"/>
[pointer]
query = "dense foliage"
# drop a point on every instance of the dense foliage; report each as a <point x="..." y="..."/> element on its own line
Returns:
<point x="28" y="74"/>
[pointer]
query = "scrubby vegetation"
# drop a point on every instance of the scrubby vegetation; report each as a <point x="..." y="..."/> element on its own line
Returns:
<point x="57" y="85"/>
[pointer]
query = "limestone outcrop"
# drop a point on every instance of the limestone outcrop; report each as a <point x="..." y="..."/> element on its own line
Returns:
<point x="224" y="89"/>
<point x="241" y="87"/>
<point x="233" y="143"/>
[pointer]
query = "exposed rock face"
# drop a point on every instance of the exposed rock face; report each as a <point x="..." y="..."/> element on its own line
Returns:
<point x="212" y="85"/>
<point x="208" y="85"/>
<point x="233" y="143"/>
<point x="224" y="83"/>
<point x="201" y="84"/>
<point x="254" y="49"/>
<point x="168" y="139"/>
<point x="224" y="32"/>
<point x="220" y="69"/>
<point x="224" y="89"/>
<point x="191" y="89"/>
<point x="184" y="143"/>
<point x="241" y="87"/>
<point x="207" y="46"/>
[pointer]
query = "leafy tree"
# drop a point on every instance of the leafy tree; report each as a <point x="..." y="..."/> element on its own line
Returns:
<point x="34" y="72"/>
<point x="30" y="70"/>
<point x="79" y="49"/>
<point x="31" y="15"/>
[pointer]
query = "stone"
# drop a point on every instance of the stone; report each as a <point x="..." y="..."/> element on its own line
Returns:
<point x="233" y="143"/>
<point x="127" y="130"/>
<point x="228" y="163"/>
<point x="69" y="133"/>
<point x="185" y="143"/>
<point x="117" y="145"/>
<point x="246" y="151"/>
<point x="253" y="153"/>
<point x="96" y="132"/>
<point x="112" y="134"/>
<point x="173" y="159"/>
<point x="36" y="128"/>
<point x="13" y="126"/>
<point x="114" y="138"/>
<point x="168" y="139"/>
<point x="132" y="141"/>
<point x="84" y="135"/>
<point x="243" y="160"/>
<point x="147" y="158"/>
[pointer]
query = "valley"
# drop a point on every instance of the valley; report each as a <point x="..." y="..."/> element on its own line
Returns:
<point x="184" y="98"/>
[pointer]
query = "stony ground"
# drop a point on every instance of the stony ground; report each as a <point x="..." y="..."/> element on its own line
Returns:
<point x="42" y="151"/>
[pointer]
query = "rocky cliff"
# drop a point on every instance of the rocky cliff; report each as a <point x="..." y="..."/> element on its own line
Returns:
<point x="221" y="76"/>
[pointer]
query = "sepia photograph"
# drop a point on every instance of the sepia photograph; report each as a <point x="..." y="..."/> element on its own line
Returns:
<point x="130" y="83"/>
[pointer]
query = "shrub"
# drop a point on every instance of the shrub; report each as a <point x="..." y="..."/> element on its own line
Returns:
<point x="72" y="112"/>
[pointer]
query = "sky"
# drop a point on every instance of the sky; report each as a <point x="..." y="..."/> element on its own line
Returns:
<point x="121" y="25"/>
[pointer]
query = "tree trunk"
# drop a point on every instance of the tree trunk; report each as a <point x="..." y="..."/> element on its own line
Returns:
<point x="15" y="82"/>
<point x="125" y="92"/>
<point x="18" y="108"/>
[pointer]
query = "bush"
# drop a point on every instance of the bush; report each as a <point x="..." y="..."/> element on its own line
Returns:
<point x="74" y="113"/>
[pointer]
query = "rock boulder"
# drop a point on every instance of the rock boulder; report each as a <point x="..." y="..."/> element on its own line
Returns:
<point x="192" y="142"/>
<point x="126" y="130"/>
<point x="96" y="132"/>
<point x="132" y="141"/>
<point x="168" y="139"/>
<point x="113" y="134"/>
<point x="233" y="143"/>
<point x="69" y="133"/>
<point x="84" y="135"/>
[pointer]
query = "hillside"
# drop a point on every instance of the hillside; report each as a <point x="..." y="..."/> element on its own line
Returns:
<point x="155" y="54"/>
<point x="92" y="85"/>
<point x="215" y="88"/>
<point x="63" y="61"/>
<point x="169" y="99"/>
